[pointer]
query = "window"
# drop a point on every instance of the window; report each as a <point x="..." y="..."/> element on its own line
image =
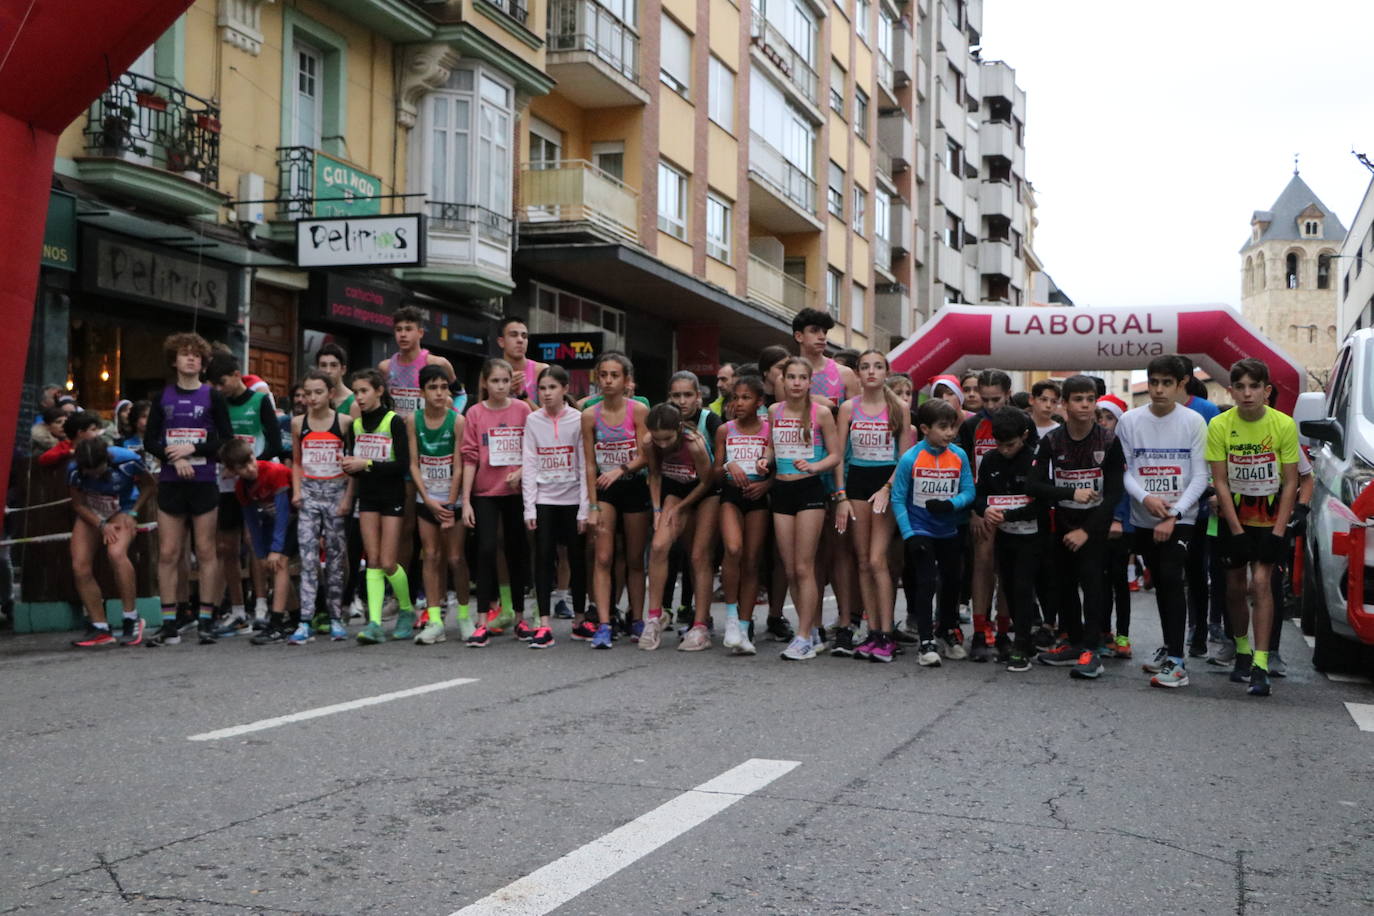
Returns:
<point x="860" y="208"/>
<point x="610" y="158"/>
<point x="675" y="65"/>
<point x="546" y="144"/>
<point x="720" y="100"/>
<point x="309" y="72"/>
<point x="672" y="200"/>
<point x="1310" y="229"/>
<point x="884" y="34"/>
<point x="466" y="151"/>
<point x="837" y="89"/>
<point x="1290" y="274"/>
<point x="785" y="128"/>
<point x="834" y="193"/>
<point x="1323" y="271"/>
<point x="954" y="231"/>
<point x="834" y="286"/>
<point x="860" y="113"/>
<point x="882" y="216"/>
<point x="556" y="311"/>
<point x="862" y="10"/>
<point x="954" y="157"/>
<point x="718" y="228"/>
<point x="856" y="308"/>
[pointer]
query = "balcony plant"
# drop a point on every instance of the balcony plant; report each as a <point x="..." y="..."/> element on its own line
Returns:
<point x="183" y="155"/>
<point x="115" y="135"/>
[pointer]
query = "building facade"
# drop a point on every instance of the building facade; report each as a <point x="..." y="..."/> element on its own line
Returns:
<point x="1288" y="277"/>
<point x="1356" y="309"/>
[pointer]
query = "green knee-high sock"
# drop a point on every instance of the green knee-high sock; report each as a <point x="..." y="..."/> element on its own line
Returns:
<point x="400" y="587"/>
<point x="376" y="588"/>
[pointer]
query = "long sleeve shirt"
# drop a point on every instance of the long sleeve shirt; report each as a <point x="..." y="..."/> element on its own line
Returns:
<point x="266" y="505"/>
<point x="554" y="472"/>
<point x="1064" y="464"/>
<point x="924" y="474"/>
<point x="1002" y="484"/>
<point x="1165" y="457"/>
<point x="493" y="442"/>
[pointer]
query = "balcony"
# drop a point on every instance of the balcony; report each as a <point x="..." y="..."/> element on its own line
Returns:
<point x="921" y="161"/>
<point x="950" y="191"/>
<point x="899" y="230"/>
<point x="770" y="287"/>
<point x="786" y="201"/>
<point x="574" y="200"/>
<point x="997" y="139"/>
<point x="995" y="258"/>
<point x="467" y="251"/>
<point x="593" y="56"/>
<point x="898" y="137"/>
<point x="780" y="53"/>
<point x="918" y="254"/>
<point x="886" y="79"/>
<point x="996" y="198"/>
<point x="892" y="308"/>
<point x="515" y="9"/>
<point x="882" y="256"/>
<point x="949" y="266"/>
<point x="998" y="81"/>
<point x="903" y="54"/>
<point x="882" y="161"/>
<point x="954" y="42"/>
<point x="155" y="143"/>
<point x="950" y="113"/>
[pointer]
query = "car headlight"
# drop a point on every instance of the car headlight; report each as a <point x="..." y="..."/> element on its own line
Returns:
<point x="1353" y="482"/>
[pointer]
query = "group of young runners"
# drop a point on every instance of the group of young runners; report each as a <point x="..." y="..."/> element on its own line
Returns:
<point x="804" y="475"/>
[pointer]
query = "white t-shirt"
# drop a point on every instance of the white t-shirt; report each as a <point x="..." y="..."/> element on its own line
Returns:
<point x="1041" y="431"/>
<point x="1165" y="457"/>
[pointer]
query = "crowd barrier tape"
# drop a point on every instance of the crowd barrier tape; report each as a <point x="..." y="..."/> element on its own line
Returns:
<point x="11" y="510"/>
<point x="61" y="536"/>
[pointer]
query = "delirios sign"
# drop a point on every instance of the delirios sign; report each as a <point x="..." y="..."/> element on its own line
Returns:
<point x="371" y="241"/>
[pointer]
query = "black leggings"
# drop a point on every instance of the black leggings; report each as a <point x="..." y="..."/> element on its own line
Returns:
<point x="930" y="561"/>
<point x="1168" y="562"/>
<point x="1196" y="573"/>
<point x="509" y="511"/>
<point x="1019" y="556"/>
<point x="556" y="526"/>
<point x="1075" y="570"/>
<point x="1118" y="592"/>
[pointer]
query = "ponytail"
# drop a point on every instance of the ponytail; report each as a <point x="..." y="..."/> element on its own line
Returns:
<point x="377" y="381"/>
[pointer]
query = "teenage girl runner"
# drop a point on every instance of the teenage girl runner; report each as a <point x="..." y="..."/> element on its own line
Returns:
<point x="685" y="393"/>
<point x="740" y="444"/>
<point x="771" y="361"/>
<point x="617" y="491"/>
<point x="377" y="456"/>
<point x="681" y="486"/>
<point x="437" y="469"/>
<point x="805" y="445"/>
<point x="323" y="496"/>
<point x="554" y="486"/>
<point x="877" y="431"/>
<point x="493" y="454"/>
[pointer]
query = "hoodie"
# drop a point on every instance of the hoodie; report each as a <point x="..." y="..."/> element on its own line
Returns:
<point x="924" y="474"/>
<point x="554" y="470"/>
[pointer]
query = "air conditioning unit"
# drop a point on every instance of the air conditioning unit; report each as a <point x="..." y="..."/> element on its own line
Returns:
<point x="251" y="191"/>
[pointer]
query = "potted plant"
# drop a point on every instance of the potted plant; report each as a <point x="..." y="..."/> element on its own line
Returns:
<point x="182" y="155"/>
<point x="115" y="135"/>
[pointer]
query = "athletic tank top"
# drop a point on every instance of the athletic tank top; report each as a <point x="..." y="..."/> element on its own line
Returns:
<point x="403" y="382"/>
<point x="436" y="447"/>
<point x="246" y="421"/>
<point x="827" y="383"/>
<point x="871" y="443"/>
<point x="321" y="450"/>
<point x="679" y="464"/>
<point x="186" y="421"/>
<point x="346" y="404"/>
<point x="615" y="446"/>
<point x="789" y="442"/>
<point x="376" y="445"/>
<point x="527" y="384"/>
<point x="745" y="449"/>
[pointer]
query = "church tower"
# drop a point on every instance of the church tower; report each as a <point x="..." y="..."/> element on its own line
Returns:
<point x="1288" y="277"/>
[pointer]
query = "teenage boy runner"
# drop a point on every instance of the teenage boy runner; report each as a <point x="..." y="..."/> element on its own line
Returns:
<point x="402" y="368"/>
<point x="254" y="421"/>
<point x="333" y="362"/>
<point x="187" y="424"/>
<point x="977" y="440"/>
<point x="1043" y="406"/>
<point x="263" y="489"/>
<point x="513" y="337"/>
<point x="1078" y="467"/>
<point x="1253" y="451"/>
<point x="1164" y="445"/>
<point x="831" y="382"/>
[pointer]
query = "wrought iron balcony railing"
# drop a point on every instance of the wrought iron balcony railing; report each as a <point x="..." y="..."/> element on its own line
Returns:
<point x="146" y="120"/>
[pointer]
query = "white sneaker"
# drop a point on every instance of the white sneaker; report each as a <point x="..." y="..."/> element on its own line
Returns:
<point x="432" y="632"/>
<point x="652" y="637"/>
<point x="745" y="647"/>
<point x="466" y="627"/>
<point x="951" y="649"/>
<point x="358" y="609"/>
<point x="799" y="649"/>
<point x="929" y="655"/>
<point x="451" y="602"/>
<point x="697" y="638"/>
<point x="732" y="632"/>
<point x="390" y="607"/>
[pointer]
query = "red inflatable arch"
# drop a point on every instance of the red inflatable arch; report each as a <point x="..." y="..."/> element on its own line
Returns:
<point x="57" y="58"/>
<point x="977" y="336"/>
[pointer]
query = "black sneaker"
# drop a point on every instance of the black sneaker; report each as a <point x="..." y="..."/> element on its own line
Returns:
<point x="1197" y="649"/>
<point x="1241" y="672"/>
<point x="95" y="638"/>
<point x="1259" y="681"/>
<point x="906" y="636"/>
<point x="844" y="642"/>
<point x="1018" y="662"/>
<point x="685" y="616"/>
<point x="132" y="633"/>
<point x="207" y="632"/>
<point x="780" y="630"/>
<point x="272" y="636"/>
<point x="1088" y="666"/>
<point x="1042" y="637"/>
<point x="979" y="650"/>
<point x="169" y="634"/>
<point x="1003" y="646"/>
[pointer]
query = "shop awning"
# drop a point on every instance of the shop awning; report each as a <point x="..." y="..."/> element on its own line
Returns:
<point x="207" y="239"/>
<point x="629" y="278"/>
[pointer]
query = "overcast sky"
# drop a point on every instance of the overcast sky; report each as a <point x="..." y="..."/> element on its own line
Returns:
<point x="1153" y="131"/>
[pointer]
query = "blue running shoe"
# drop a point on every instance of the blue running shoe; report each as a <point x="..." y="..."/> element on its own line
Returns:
<point x="337" y="631"/>
<point x="562" y="610"/>
<point x="636" y="630"/>
<point x="602" y="639"/>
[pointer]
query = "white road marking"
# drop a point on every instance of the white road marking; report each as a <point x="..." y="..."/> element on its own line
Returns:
<point x="555" y="884"/>
<point x="1363" y="714"/>
<point x="261" y="724"/>
<point x="1347" y="678"/>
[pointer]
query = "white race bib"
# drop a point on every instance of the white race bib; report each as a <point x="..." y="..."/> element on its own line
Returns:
<point x="437" y="471"/>
<point x="104" y="505"/>
<point x="980" y="448"/>
<point x="372" y="446"/>
<point x="745" y="451"/>
<point x="320" y="458"/>
<point x="1253" y="475"/>
<point x="788" y="442"/>
<point x="1010" y="501"/>
<point x="871" y="440"/>
<point x="407" y="400"/>
<point x="1162" y="480"/>
<point x="555" y="464"/>
<point x="1080" y="479"/>
<point x="933" y="483"/>
<point x="188" y="437"/>
<point x="682" y="473"/>
<point x="614" y="454"/>
<point x="506" y="446"/>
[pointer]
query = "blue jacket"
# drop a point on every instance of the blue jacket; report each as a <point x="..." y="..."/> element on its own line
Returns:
<point x="945" y="473"/>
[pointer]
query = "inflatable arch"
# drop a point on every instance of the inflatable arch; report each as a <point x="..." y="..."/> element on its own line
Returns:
<point x="59" y="57"/>
<point x="977" y="336"/>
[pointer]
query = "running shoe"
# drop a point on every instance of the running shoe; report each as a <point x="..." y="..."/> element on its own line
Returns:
<point x="929" y="654"/>
<point x="337" y="631"/>
<point x="951" y="644"/>
<point x="132" y="633"/>
<point x="479" y="638"/>
<point x="405" y="625"/>
<point x="431" y="632"/>
<point x="371" y="634"/>
<point x="523" y="631"/>
<point x="232" y="626"/>
<point x="1197" y="649"/>
<point x="865" y="649"/>
<point x="602" y="639"/>
<point x="466" y="627"/>
<point x="1003" y="647"/>
<point x="979" y="650"/>
<point x="562" y="610"/>
<point x="1134" y="585"/>
<point x="95" y="638"/>
<point x="584" y="631"/>
<point x="320" y="622"/>
<point x="820" y="640"/>
<point x="697" y="638"/>
<point x="1042" y="637"/>
<point x="685" y="615"/>
<point x="746" y="642"/>
<point x="275" y="636"/>
<point x="1277" y="666"/>
<point x="1259" y="682"/>
<point x="1240" y="673"/>
<point x="1059" y="656"/>
<point x="1088" y="666"/>
<point x="391" y="607"/>
<point x="651" y="632"/>
<point x="780" y="630"/>
<point x="1223" y="652"/>
<point x="906" y="635"/>
<point x="206" y="629"/>
<point x="358" y="609"/>
<point x="732" y="632"/>
<point x="499" y="620"/>
<point x="301" y="636"/>
<point x="1018" y="662"/>
<point x="843" y="646"/>
<point x="542" y="639"/>
<point x="1170" y="675"/>
<point x="169" y="634"/>
<point x="798" y="650"/>
<point x="883" y="651"/>
<point x="965" y="614"/>
<point x="1156" y="664"/>
<point x="1121" y="647"/>
<point x="636" y="630"/>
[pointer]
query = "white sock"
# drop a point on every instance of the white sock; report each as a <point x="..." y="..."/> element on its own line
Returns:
<point x="237" y="610"/>
<point x="260" y="608"/>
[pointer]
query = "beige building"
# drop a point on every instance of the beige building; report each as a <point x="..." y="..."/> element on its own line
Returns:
<point x="1288" y="277"/>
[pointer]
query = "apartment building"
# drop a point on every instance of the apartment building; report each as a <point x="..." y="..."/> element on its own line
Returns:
<point x="1356" y="308"/>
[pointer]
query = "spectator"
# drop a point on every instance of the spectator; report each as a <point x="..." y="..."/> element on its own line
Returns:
<point x="48" y="431"/>
<point x="86" y="424"/>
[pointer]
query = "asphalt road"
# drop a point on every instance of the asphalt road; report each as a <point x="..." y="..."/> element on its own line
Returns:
<point x="963" y="789"/>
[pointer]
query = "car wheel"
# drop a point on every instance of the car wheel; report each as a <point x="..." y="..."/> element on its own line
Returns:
<point x="1311" y="598"/>
<point x="1333" y="653"/>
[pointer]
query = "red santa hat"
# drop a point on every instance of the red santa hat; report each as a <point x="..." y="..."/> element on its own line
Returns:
<point x="950" y="381"/>
<point x="1112" y="403"/>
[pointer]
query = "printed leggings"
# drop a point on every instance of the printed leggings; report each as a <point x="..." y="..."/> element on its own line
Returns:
<point x="317" y="521"/>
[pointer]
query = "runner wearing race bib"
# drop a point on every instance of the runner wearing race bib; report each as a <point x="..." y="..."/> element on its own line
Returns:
<point x="741" y="444"/>
<point x="983" y="392"/>
<point x="263" y="489"/>
<point x="829" y="380"/>
<point x="437" y="467"/>
<point x="513" y="337"/>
